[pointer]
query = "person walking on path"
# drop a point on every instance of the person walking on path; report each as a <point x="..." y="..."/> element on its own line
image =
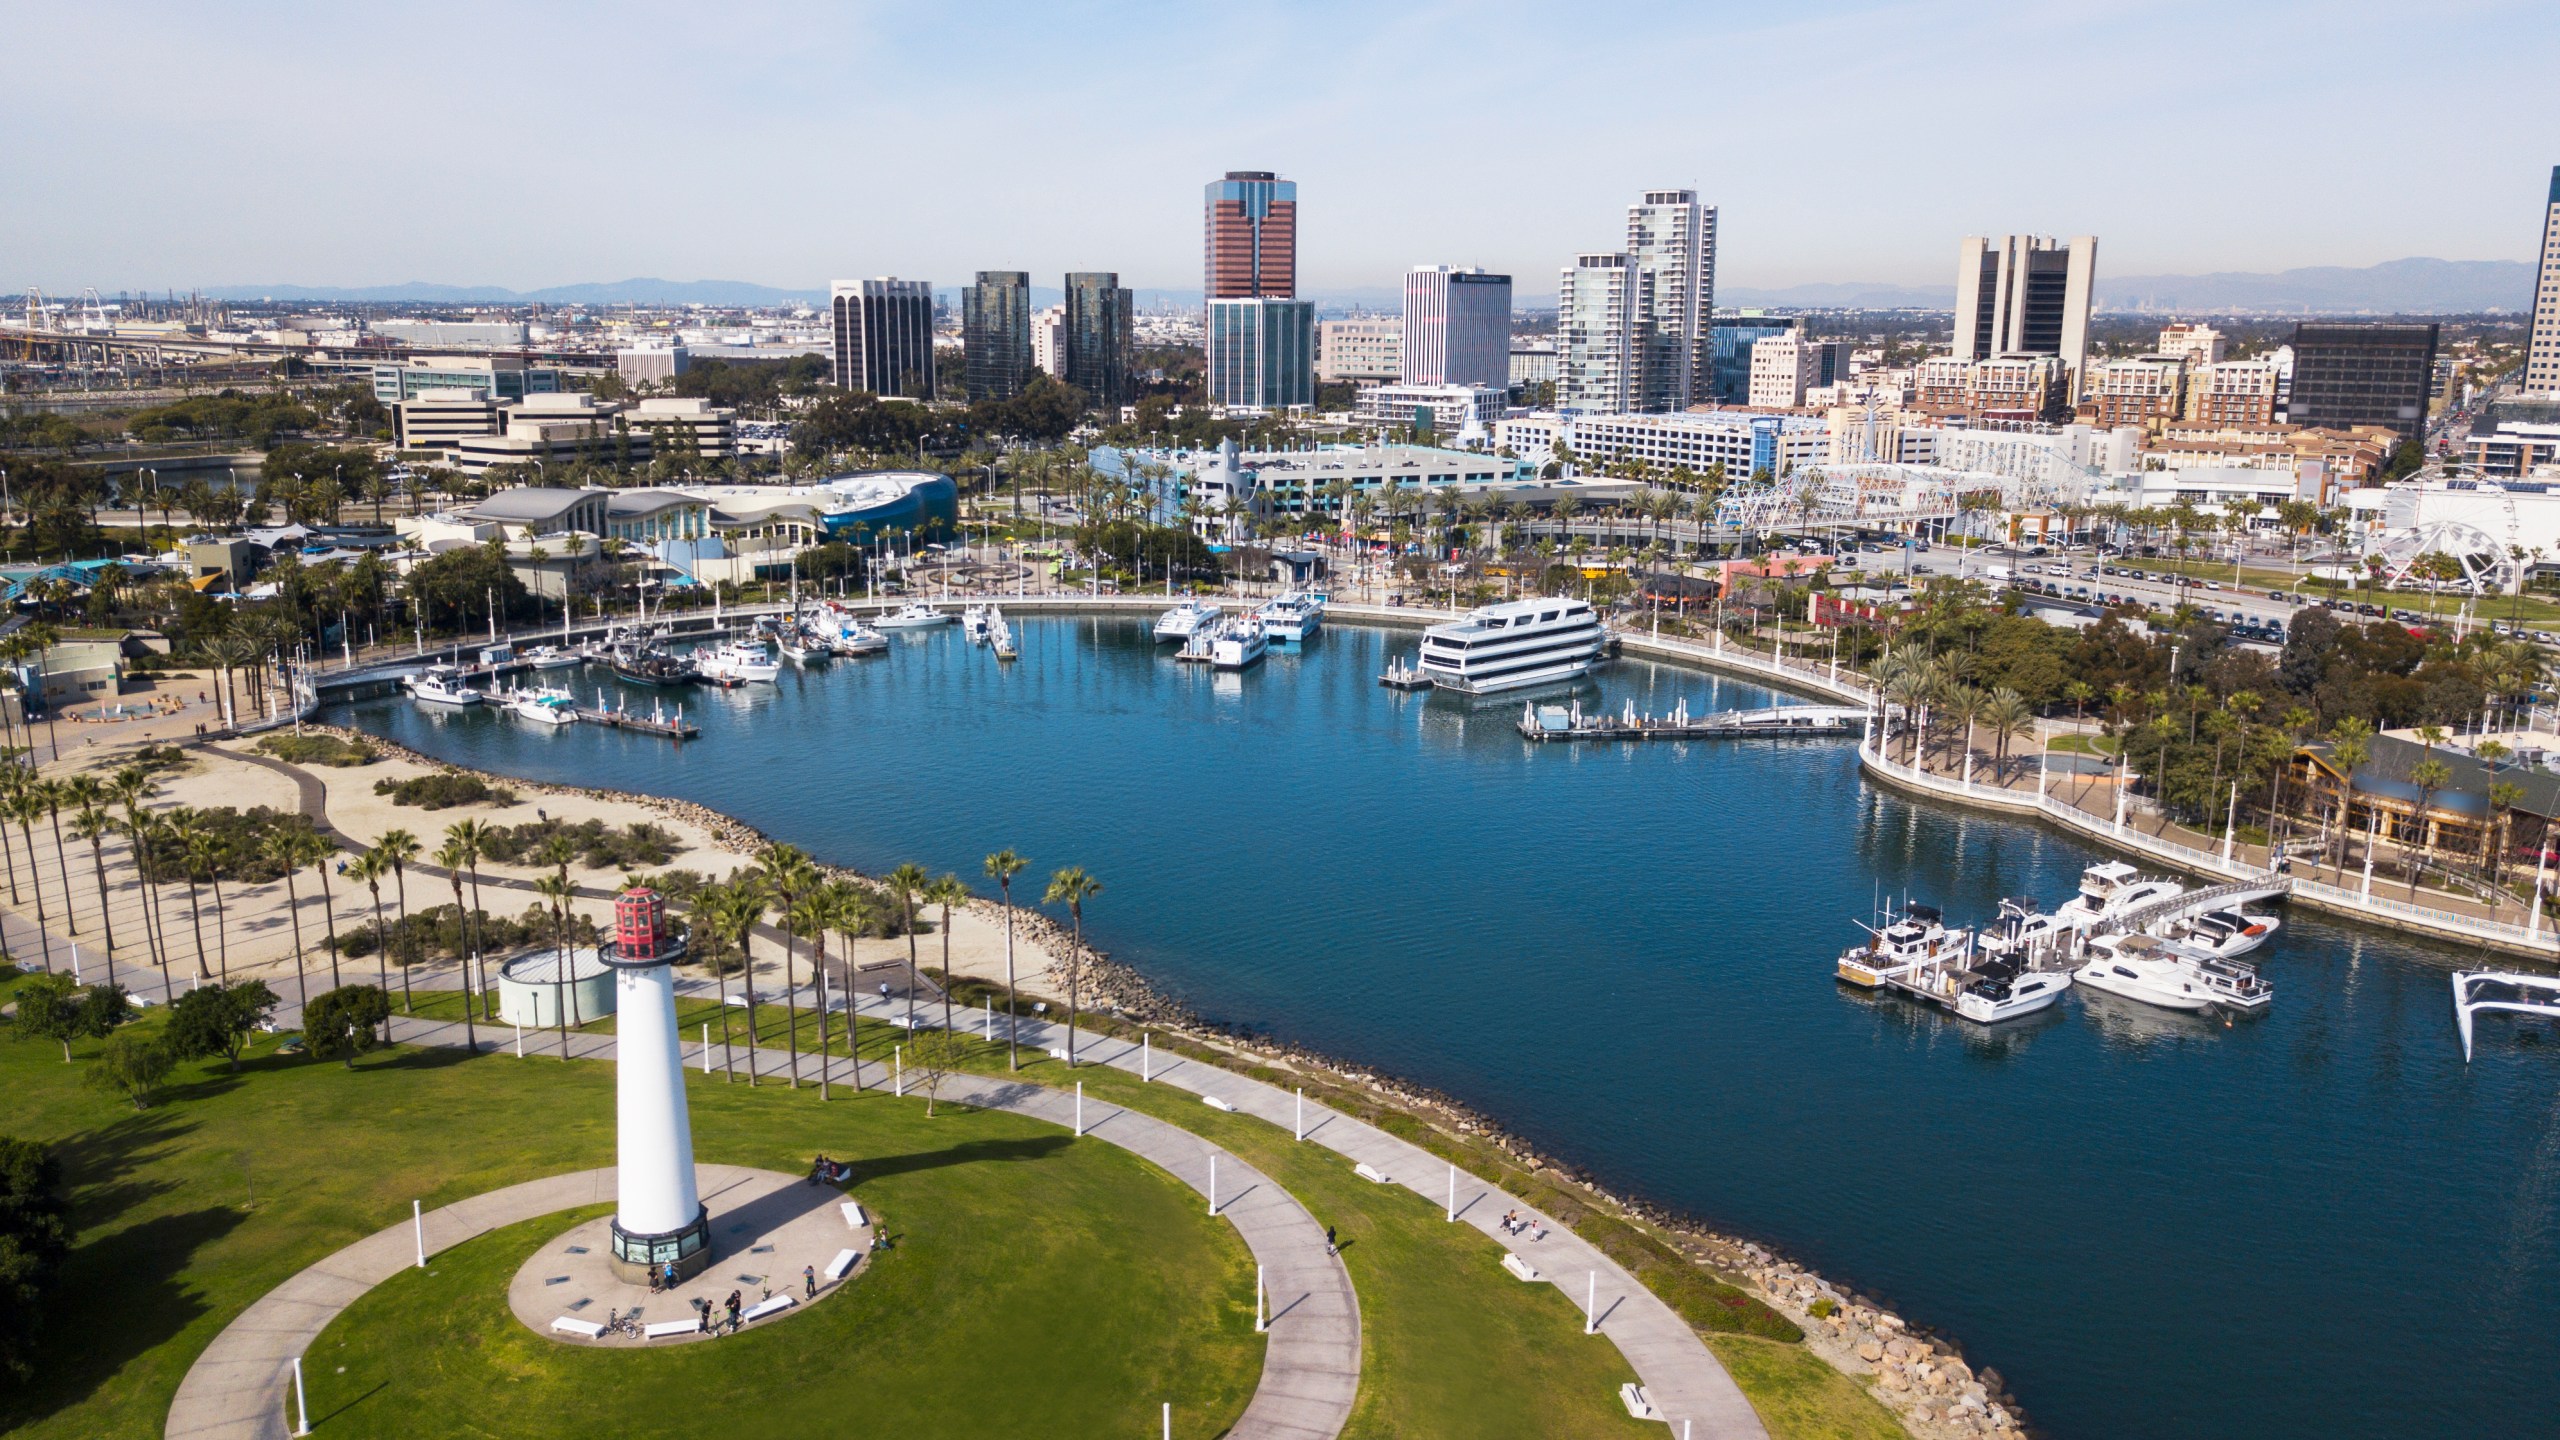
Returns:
<point x="1330" y="1248"/>
<point x="733" y="1311"/>
<point x="809" y="1278"/>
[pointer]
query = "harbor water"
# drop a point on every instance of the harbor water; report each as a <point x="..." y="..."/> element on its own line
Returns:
<point x="2314" y="1222"/>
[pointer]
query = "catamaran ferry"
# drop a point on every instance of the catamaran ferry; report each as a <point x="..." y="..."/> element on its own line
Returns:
<point x="1515" y="643"/>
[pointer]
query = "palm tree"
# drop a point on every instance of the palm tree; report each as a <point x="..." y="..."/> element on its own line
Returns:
<point x="129" y="787"/>
<point x="455" y="856"/>
<point x="1072" y="887"/>
<point x="287" y="850"/>
<point x="742" y="907"/>
<point x="858" y="912"/>
<point x="317" y="853"/>
<point x="789" y="875"/>
<point x="13" y="783"/>
<point x="2350" y="749"/>
<point x="2010" y="718"/>
<point x="26" y="806"/>
<point x="77" y="792"/>
<point x="93" y="825"/>
<point x="369" y="868"/>
<point x="906" y="886"/>
<point x="2429" y="775"/>
<point x="710" y="920"/>
<point x="820" y="911"/>
<point x="1001" y="867"/>
<point x="186" y="840"/>
<point x="947" y="892"/>
<point x="467" y="840"/>
<point x="555" y="890"/>
<point x="398" y="848"/>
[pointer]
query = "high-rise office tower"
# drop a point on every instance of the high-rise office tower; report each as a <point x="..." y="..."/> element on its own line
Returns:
<point x="884" y="336"/>
<point x="1262" y="353"/>
<point x="1600" y="304"/>
<point x="2348" y="374"/>
<point x="1729" y="341"/>
<point x="995" y="333"/>
<point x="2542" y="343"/>
<point x="1457" y="327"/>
<point x="1049" y="341"/>
<point x="1672" y="238"/>
<point x="1251" y="237"/>
<point x="1097" y="339"/>
<point x="2025" y="295"/>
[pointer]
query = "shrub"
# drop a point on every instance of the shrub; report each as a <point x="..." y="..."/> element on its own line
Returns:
<point x="633" y="847"/>
<point x="318" y="750"/>
<point x="240" y="839"/>
<point x="34" y="1237"/>
<point x="132" y="1065"/>
<point x="444" y="790"/>
<point x="344" y="1023"/>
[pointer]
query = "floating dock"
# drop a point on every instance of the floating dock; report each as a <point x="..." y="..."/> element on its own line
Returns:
<point x="1400" y="676"/>
<point x="657" y="722"/>
<point x="1570" y="722"/>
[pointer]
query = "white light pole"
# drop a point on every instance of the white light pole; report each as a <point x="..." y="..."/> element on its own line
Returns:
<point x="418" y="1224"/>
<point x="1258" y="1325"/>
<point x="1591" y="1307"/>
<point x="1213" y="1182"/>
<point x="301" y="1405"/>
<point x="1079" y="1109"/>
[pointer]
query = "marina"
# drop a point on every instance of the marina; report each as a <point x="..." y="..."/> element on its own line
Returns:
<point x="1681" y="899"/>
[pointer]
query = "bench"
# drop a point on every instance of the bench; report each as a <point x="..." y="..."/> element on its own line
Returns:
<point x="853" y="1215"/>
<point x="1369" y="1172"/>
<point x="689" y="1325"/>
<point x="842" y="1265"/>
<point x="572" y="1325"/>
<point x="1055" y="1053"/>
<point x="1519" y="1267"/>
<point x="1638" y="1403"/>
<point x="737" y="1002"/>
<point x="774" y="1306"/>
<point x="1214" y="1103"/>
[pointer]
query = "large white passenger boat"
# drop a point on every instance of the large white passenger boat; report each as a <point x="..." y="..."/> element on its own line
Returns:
<point x="1185" y="620"/>
<point x="915" y="615"/>
<point x="1515" y="643"/>
<point x="1291" y="619"/>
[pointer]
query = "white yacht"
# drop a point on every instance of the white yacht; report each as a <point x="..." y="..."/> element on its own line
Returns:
<point x="442" y="685"/>
<point x="1991" y="998"/>
<point x="973" y="624"/>
<point x="546" y="706"/>
<point x="856" y="638"/>
<point x="1515" y="643"/>
<point x="2226" y="934"/>
<point x="552" y="657"/>
<point x="1238" y="643"/>
<point x="740" y="662"/>
<point x="2234" y="983"/>
<point x="802" y="648"/>
<point x="915" y="615"/>
<point x="1291" y="618"/>
<point x="1185" y="620"/>
<point x="1000" y="636"/>
<point x="1898" y="950"/>
<point x="2145" y="968"/>
<point x="2110" y="889"/>
<point x="2021" y="933"/>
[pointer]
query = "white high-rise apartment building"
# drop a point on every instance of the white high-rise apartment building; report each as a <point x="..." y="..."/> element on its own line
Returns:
<point x="1457" y="327"/>
<point x="1672" y="238"/>
<point x="2542" y="346"/>
<point x="1049" y="341"/>
<point x="2026" y="295"/>
<point x="2200" y="344"/>
<point x="1783" y="365"/>
<point x="1600" y="300"/>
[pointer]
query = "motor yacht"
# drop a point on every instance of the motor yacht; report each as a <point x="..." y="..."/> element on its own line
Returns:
<point x="552" y="657"/>
<point x="545" y="706"/>
<point x="442" y="685"/>
<point x="1000" y="636"/>
<point x="915" y="615"/>
<point x="2234" y="983"/>
<point x="1185" y="620"/>
<point x="2001" y="994"/>
<point x="1291" y="618"/>
<point x="2021" y="934"/>
<point x="1513" y="644"/>
<point x="740" y="662"/>
<point x="855" y="638"/>
<point x="1237" y="643"/>
<point x="1916" y="938"/>
<point x="2145" y="968"/>
<point x="2110" y="889"/>
<point x="2227" y="934"/>
<point x="973" y="624"/>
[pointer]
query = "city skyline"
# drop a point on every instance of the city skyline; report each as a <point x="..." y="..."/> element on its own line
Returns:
<point x="1044" y="156"/>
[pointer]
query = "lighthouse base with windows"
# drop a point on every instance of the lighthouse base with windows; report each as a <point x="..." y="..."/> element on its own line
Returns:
<point x="659" y="1220"/>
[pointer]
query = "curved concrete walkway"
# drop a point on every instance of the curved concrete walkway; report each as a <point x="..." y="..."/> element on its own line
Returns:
<point x="241" y="1387"/>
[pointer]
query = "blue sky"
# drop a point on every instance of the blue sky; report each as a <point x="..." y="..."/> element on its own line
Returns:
<point x="535" y="144"/>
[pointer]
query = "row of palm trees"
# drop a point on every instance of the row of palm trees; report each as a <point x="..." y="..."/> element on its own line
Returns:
<point x="1938" y="691"/>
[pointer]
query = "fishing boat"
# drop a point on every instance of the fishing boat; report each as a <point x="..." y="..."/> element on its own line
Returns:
<point x="1999" y="994"/>
<point x="1185" y="620"/>
<point x="545" y="706"/>
<point x="740" y="662"/>
<point x="2145" y="968"/>
<point x="640" y="656"/>
<point x="442" y="685"/>
<point x="802" y="648"/>
<point x="855" y="638"/>
<point x="916" y="615"/>
<point x="552" y="657"/>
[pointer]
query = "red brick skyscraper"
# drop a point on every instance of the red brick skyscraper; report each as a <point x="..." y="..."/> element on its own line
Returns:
<point x="1251" y="237"/>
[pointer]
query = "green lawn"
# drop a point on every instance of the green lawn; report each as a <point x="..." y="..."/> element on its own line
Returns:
<point x="2083" y="743"/>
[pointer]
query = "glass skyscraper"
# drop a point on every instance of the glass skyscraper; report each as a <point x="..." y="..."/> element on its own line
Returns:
<point x="1250" y="237"/>
<point x="1262" y="353"/>
<point x="1097" y="342"/>
<point x="995" y="333"/>
<point x="884" y="336"/>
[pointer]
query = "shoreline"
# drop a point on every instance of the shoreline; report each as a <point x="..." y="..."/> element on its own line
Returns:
<point x="1905" y="1364"/>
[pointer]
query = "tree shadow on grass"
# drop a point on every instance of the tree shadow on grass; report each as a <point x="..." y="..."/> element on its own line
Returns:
<point x="120" y="1297"/>
<point x="103" y="1169"/>
<point x="971" y="1152"/>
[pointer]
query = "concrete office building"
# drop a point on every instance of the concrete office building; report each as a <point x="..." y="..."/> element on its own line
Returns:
<point x="1600" y="304"/>
<point x="884" y="336"/>
<point x="2200" y="344"/>
<point x="1250" y="237"/>
<point x="2362" y="374"/>
<point x="2542" y="343"/>
<point x="652" y="364"/>
<point x="2025" y="295"/>
<point x="1457" y="327"/>
<point x="2147" y="391"/>
<point x="1443" y="412"/>
<point x="2234" y="392"/>
<point x="1785" y="366"/>
<point x="687" y="424"/>
<point x="440" y="419"/>
<point x="1729" y="342"/>
<point x="1533" y="362"/>
<point x="1261" y="353"/>
<point x="490" y="377"/>
<point x="1672" y="238"/>
<point x="995" y="333"/>
<point x="556" y="430"/>
<point x="1744" y="444"/>
<point x="1099" y="339"/>
<point x="1360" y="351"/>
<point x="486" y="334"/>
<point x="1049" y="341"/>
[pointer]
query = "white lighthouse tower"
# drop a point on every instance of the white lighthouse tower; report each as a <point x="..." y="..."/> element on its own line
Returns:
<point x="660" y="1219"/>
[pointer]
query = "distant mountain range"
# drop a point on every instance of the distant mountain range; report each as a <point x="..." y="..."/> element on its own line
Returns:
<point x="2412" y="286"/>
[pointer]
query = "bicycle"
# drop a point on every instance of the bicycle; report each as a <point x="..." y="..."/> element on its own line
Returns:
<point x="628" y="1326"/>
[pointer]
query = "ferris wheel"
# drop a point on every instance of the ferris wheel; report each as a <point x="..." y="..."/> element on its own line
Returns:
<point x="2475" y="528"/>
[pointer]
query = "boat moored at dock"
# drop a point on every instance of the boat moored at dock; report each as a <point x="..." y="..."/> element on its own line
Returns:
<point x="1185" y="620"/>
<point x="1237" y="643"/>
<point x="1514" y="644"/>
<point x="740" y="662"/>
<point x="915" y="615"/>
<point x="1291" y="618"/>
<point x="442" y="685"/>
<point x="545" y="706"/>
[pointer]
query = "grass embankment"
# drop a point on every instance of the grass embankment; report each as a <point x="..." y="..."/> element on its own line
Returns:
<point x="2084" y="743"/>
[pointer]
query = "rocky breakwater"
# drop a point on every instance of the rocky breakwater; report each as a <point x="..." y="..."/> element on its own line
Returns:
<point x="1923" y="1379"/>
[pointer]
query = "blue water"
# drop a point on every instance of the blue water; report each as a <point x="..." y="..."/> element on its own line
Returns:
<point x="2318" y="1222"/>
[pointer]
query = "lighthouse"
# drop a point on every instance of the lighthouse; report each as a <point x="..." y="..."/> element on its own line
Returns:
<point x="659" y="1218"/>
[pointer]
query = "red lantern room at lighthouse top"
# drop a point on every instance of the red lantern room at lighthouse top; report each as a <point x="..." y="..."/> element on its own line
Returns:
<point x="640" y="927"/>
